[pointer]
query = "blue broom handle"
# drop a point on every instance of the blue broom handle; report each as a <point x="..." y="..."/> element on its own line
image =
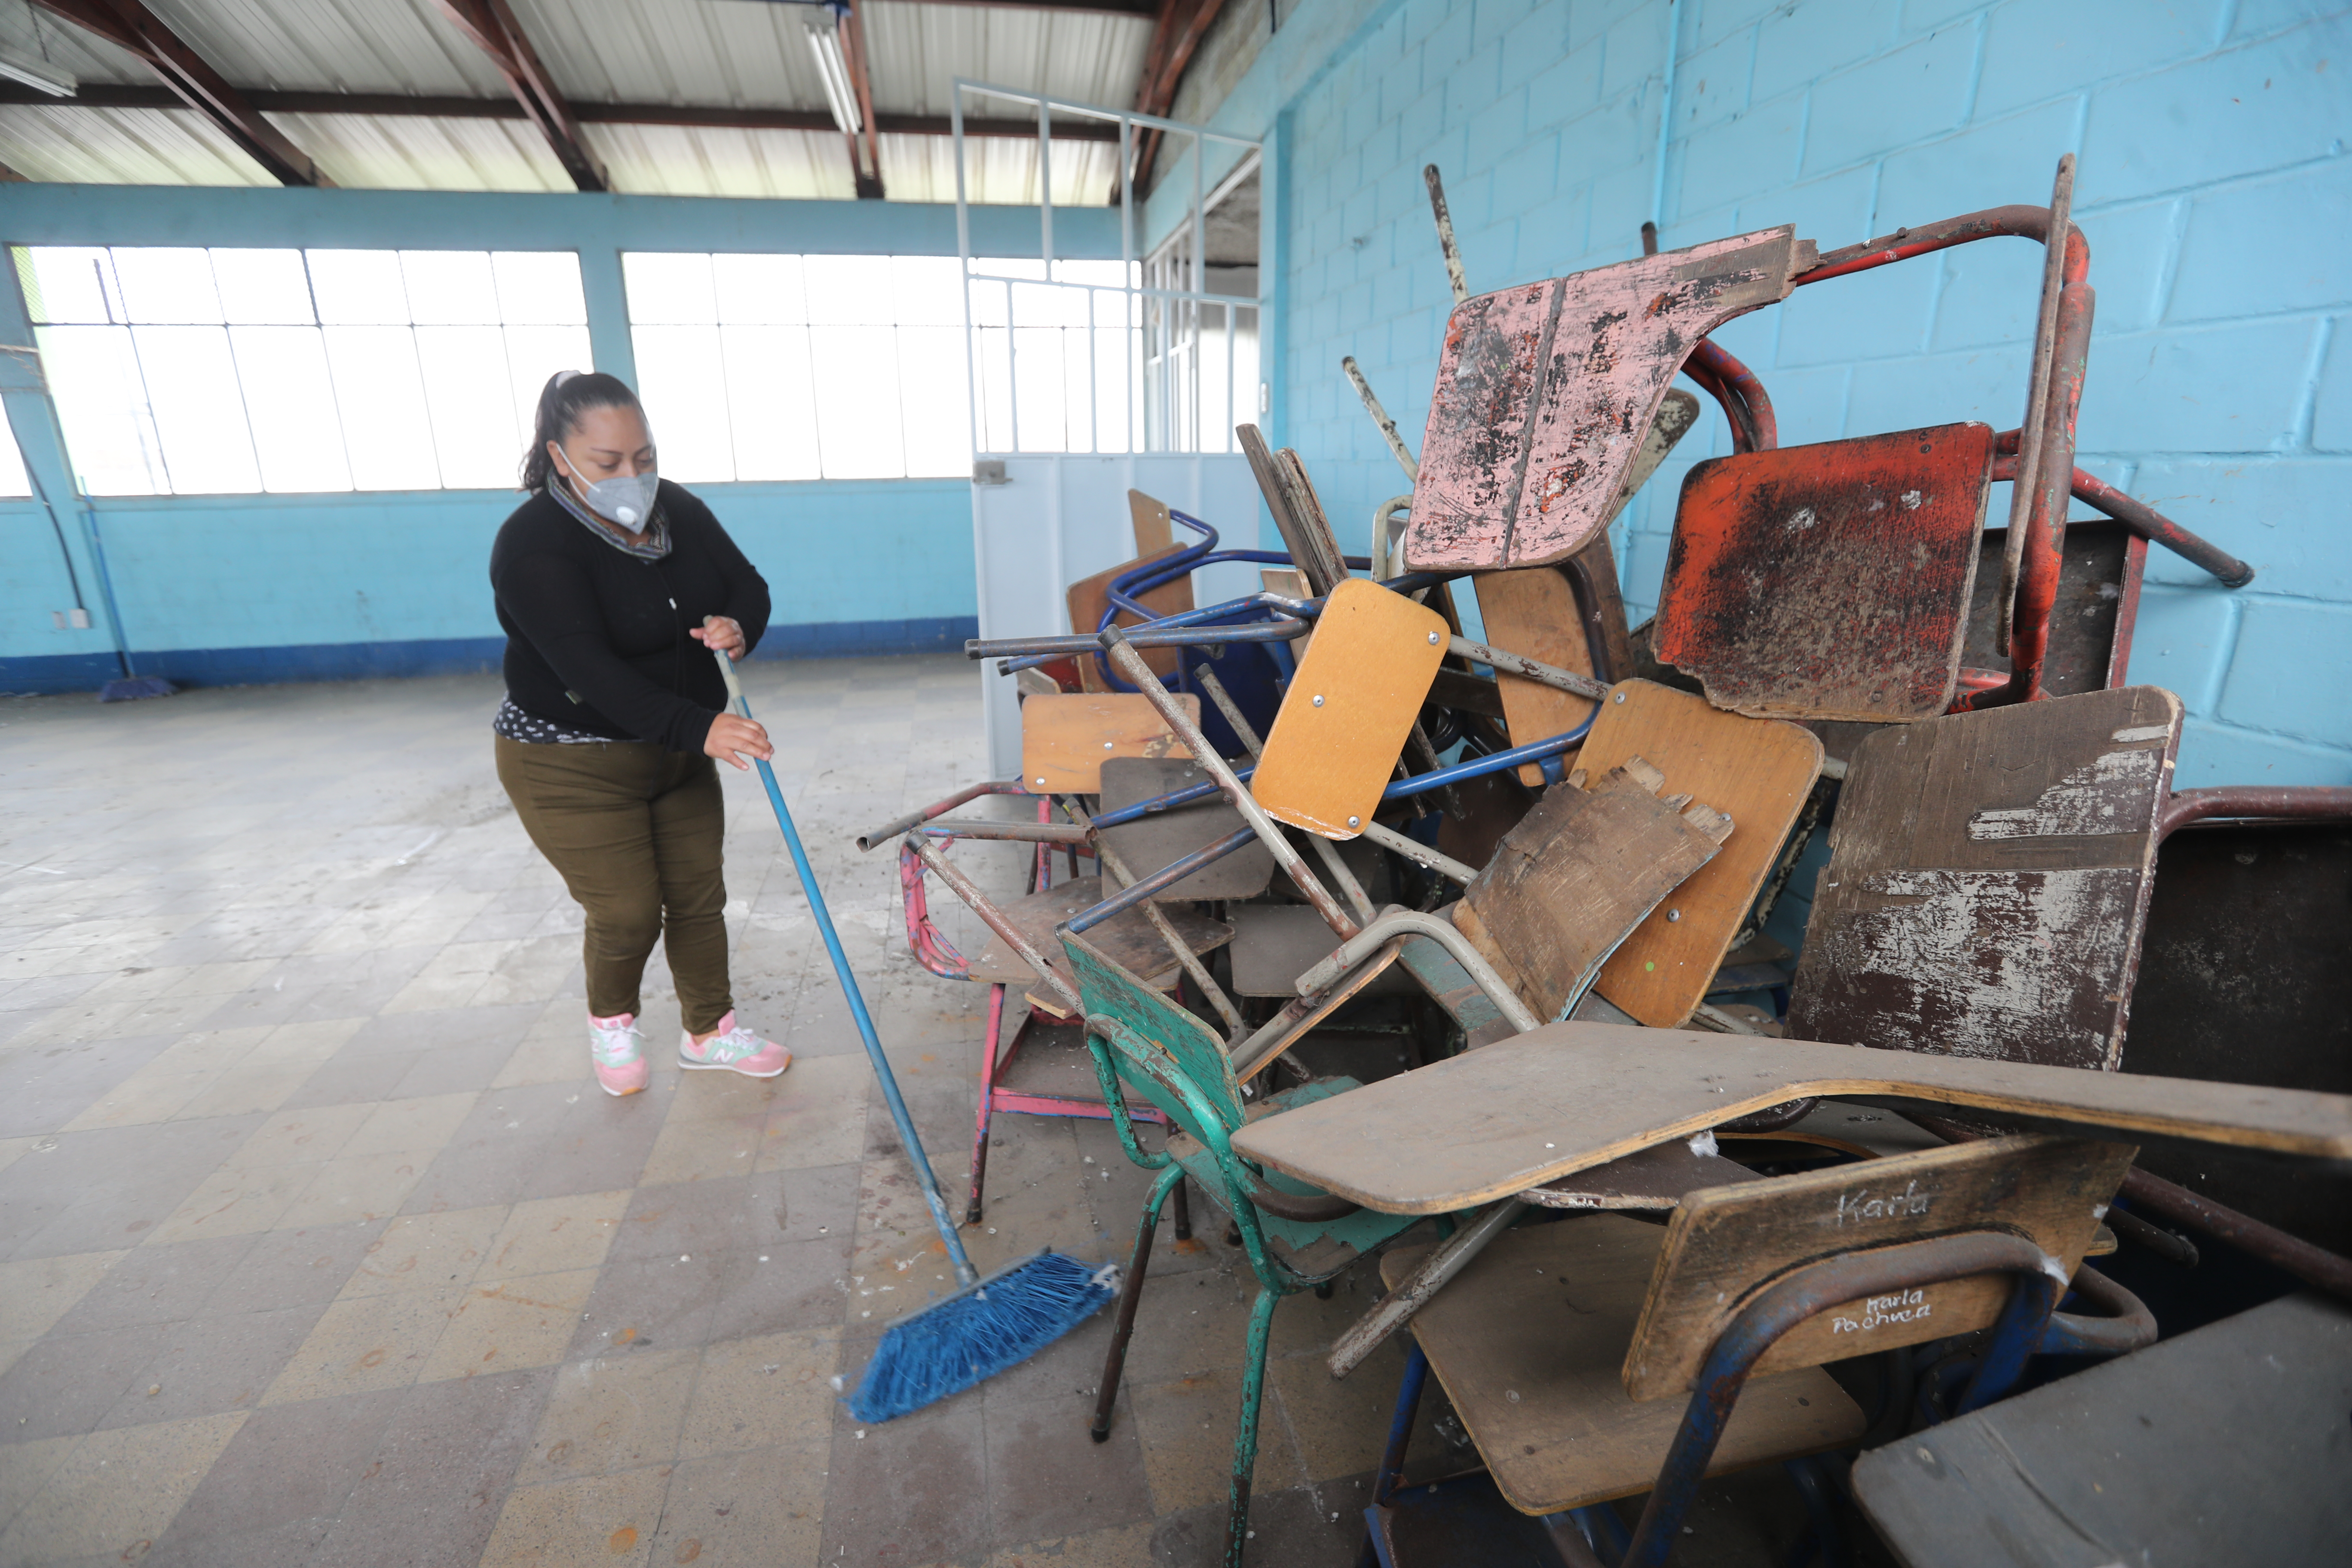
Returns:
<point x="965" y="1273"/>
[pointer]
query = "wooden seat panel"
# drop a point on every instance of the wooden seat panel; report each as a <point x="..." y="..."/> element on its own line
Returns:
<point x="1528" y="1341"/>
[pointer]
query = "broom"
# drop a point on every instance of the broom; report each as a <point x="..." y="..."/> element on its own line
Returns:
<point x="988" y="1324"/>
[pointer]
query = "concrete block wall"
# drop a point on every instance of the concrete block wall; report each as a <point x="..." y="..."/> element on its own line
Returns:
<point x="2214" y="189"/>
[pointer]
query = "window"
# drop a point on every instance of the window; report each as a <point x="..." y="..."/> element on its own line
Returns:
<point x="801" y="367"/>
<point x="187" y="372"/>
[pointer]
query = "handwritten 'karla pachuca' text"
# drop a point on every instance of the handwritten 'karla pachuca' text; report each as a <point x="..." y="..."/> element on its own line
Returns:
<point x="1878" y="1311"/>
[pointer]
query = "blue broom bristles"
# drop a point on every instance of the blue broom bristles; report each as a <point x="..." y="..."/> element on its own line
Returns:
<point x="973" y="1335"/>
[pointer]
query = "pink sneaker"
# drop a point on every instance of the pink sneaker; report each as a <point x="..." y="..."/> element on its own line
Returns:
<point x="618" y="1051"/>
<point x="736" y="1049"/>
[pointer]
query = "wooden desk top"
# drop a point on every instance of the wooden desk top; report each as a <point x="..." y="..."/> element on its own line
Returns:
<point x="1567" y="1097"/>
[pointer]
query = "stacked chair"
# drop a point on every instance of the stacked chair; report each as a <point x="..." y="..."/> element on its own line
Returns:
<point x="1339" y="969"/>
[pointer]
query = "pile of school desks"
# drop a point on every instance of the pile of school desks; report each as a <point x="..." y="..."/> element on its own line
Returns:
<point x="1726" y="1036"/>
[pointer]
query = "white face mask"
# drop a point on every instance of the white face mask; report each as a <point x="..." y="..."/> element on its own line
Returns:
<point x="627" y="499"/>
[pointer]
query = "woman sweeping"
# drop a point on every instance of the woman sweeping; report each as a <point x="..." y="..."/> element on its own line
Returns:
<point x="611" y="585"/>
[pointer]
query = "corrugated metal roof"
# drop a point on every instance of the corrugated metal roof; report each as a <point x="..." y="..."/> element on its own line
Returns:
<point x="121" y="147"/>
<point x="700" y="53"/>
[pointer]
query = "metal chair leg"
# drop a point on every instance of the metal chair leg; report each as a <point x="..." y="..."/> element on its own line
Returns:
<point x="1130" y="1292"/>
<point x="1182" y="1212"/>
<point x="1245" y="1434"/>
<point x="990" y="1047"/>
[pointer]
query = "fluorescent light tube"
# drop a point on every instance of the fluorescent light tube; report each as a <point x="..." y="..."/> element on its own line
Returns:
<point x="36" y="73"/>
<point x="825" y="43"/>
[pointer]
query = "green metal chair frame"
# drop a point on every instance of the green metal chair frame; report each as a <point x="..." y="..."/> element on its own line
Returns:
<point x="1177" y="1063"/>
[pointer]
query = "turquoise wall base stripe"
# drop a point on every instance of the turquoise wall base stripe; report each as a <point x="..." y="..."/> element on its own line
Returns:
<point x="54" y="673"/>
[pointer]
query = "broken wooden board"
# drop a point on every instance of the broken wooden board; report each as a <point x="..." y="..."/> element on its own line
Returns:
<point x="1527" y="1110"/>
<point x="1545" y="392"/>
<point x="1164" y="837"/>
<point x="1274" y="944"/>
<point x="1655" y="1179"/>
<point x="1065" y="738"/>
<point x="1756" y="772"/>
<point x="1155" y="531"/>
<point x="1578" y="873"/>
<point x="1533" y="612"/>
<point x="1725" y="1246"/>
<point x="1127" y="936"/>
<point x="1830" y="580"/>
<point x="1988" y="881"/>
<point x="1088" y="598"/>
<point x="1528" y="1341"/>
<point x="2222" y="1444"/>
<point x="1297" y="513"/>
<point x="1349" y="709"/>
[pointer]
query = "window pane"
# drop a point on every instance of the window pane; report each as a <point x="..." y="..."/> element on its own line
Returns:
<point x="683" y="381"/>
<point x="533" y="354"/>
<point x="1114" y="388"/>
<point x="469" y="397"/>
<point x="538" y="287"/>
<point x="358" y="288"/>
<point x="772" y="399"/>
<point x="65" y="284"/>
<point x="266" y="288"/>
<point x="992" y="346"/>
<point x="382" y="396"/>
<point x="935" y="401"/>
<point x="759" y="290"/>
<point x="199" y="409"/>
<point x="297" y="434"/>
<point x="1044" y="305"/>
<point x="1037" y="384"/>
<point x="1009" y="266"/>
<point x="857" y="411"/>
<point x="12" y="462"/>
<point x="103" y="404"/>
<point x="669" y="290"/>
<point x="929" y="290"/>
<point x="988" y="305"/>
<point x="167" y="285"/>
<point x="848" y="292"/>
<point x="449" y="288"/>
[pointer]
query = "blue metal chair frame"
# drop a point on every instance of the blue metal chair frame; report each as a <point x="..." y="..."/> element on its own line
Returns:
<point x="2027" y="1326"/>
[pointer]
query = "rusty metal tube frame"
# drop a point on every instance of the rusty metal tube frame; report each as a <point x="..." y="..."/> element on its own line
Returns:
<point x="1114" y="865"/>
<point x="1146" y="888"/>
<point x="993" y="917"/>
<point x="2035" y="426"/>
<point x="2315" y="1266"/>
<point x="964" y="796"/>
<point x="1745" y="403"/>
<point x="1301" y="1013"/>
<point x="2260" y="802"/>
<point x="2135" y="514"/>
<point x="1024" y="832"/>
<point x="1356" y="949"/>
<point x="2045" y="528"/>
<point x="1130" y="664"/>
<point x="1367" y="1334"/>
<point x="1807" y="1293"/>
<point x="2020" y="222"/>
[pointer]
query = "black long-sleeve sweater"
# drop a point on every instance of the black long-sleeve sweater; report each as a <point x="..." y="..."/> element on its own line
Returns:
<point x="596" y="638"/>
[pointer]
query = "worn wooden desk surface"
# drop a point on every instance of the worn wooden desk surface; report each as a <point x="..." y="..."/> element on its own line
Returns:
<point x="2226" y="1444"/>
<point x="1527" y="1110"/>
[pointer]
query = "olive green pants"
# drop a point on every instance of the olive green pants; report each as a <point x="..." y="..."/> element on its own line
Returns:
<point x="637" y="834"/>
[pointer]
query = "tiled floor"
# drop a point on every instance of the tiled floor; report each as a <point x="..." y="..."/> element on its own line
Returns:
<point x="319" y="1245"/>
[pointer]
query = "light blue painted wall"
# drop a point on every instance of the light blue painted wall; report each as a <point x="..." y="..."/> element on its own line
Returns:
<point x="2213" y="188"/>
<point x="891" y="558"/>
